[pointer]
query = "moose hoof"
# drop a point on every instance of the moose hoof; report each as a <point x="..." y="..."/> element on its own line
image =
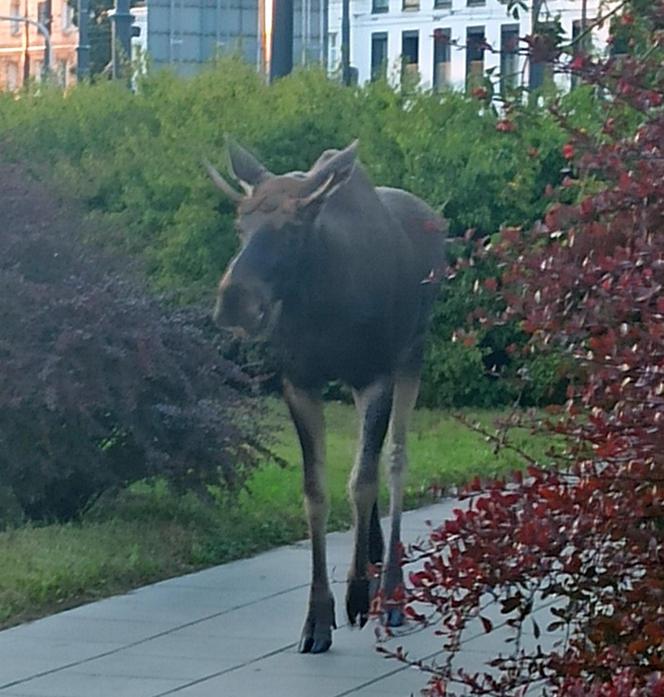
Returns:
<point x="357" y="600"/>
<point x="317" y="631"/>
<point x="374" y="588"/>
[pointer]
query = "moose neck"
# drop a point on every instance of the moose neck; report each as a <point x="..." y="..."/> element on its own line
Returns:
<point x="337" y="315"/>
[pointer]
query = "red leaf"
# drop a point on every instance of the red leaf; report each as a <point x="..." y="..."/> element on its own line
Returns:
<point x="536" y="630"/>
<point x="510" y="604"/>
<point x="506" y="126"/>
<point x="479" y="93"/>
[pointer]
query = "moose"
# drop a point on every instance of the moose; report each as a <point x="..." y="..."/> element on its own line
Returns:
<point x="339" y="277"/>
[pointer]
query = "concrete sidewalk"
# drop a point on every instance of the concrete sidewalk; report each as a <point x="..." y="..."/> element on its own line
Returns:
<point x="231" y="630"/>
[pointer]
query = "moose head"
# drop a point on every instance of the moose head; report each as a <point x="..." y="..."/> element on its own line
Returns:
<point x="275" y="215"/>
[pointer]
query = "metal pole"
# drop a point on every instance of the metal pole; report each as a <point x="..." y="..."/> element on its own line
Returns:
<point x="584" y="25"/>
<point x="83" y="48"/>
<point x="43" y="30"/>
<point x="282" y="39"/>
<point x="48" y="23"/>
<point x="537" y="6"/>
<point x="534" y="22"/>
<point x="120" y="35"/>
<point x="321" y="33"/>
<point x="345" y="42"/>
<point x="303" y="48"/>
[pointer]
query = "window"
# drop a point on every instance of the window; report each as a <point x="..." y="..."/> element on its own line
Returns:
<point x="576" y="47"/>
<point x="44" y="13"/>
<point x="509" y="57"/>
<point x="475" y="43"/>
<point x="476" y="3"/>
<point x="410" y="5"/>
<point x="38" y="69"/>
<point x="441" y="58"/>
<point x="11" y="76"/>
<point x="334" y="51"/>
<point x="581" y="44"/>
<point x="442" y="4"/>
<point x="541" y="72"/>
<point x="62" y="73"/>
<point x="380" y="6"/>
<point x="15" y="11"/>
<point x="378" y="56"/>
<point x="410" y="49"/>
<point x="67" y="16"/>
<point x="620" y="35"/>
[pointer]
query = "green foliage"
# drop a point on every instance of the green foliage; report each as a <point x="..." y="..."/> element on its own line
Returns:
<point x="134" y="162"/>
<point x="455" y="375"/>
<point x="453" y="154"/>
<point x="149" y="532"/>
<point x="456" y="371"/>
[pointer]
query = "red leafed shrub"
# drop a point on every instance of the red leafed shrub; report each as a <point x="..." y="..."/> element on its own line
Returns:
<point x="582" y="529"/>
<point x="101" y="385"/>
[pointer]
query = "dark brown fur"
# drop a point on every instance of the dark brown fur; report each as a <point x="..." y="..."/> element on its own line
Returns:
<point x="335" y="273"/>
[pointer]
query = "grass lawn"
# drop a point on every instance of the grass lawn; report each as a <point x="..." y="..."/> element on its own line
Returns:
<point x="148" y="533"/>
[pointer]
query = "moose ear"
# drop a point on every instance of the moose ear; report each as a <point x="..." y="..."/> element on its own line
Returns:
<point x="245" y="167"/>
<point x="326" y="176"/>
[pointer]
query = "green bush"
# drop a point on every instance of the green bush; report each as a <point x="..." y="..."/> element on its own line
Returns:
<point x="134" y="162"/>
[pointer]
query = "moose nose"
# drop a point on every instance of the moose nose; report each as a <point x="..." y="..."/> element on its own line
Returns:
<point x="241" y="309"/>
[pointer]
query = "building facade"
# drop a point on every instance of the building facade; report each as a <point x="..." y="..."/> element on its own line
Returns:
<point x="185" y="34"/>
<point x="22" y="47"/>
<point x="444" y="42"/>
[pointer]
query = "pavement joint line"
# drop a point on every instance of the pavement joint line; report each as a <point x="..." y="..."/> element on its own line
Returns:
<point x="217" y="674"/>
<point x="166" y="632"/>
<point x="374" y="681"/>
<point x="276" y="652"/>
<point x="173" y="631"/>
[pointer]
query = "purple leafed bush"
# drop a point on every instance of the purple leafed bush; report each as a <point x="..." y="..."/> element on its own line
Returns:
<point x="101" y="384"/>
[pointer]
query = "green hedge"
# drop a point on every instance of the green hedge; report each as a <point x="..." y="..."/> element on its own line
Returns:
<point x="133" y="160"/>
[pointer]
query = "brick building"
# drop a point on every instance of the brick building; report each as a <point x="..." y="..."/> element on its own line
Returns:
<point x="22" y="46"/>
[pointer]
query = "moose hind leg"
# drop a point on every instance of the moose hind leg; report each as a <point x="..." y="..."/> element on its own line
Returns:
<point x="405" y="395"/>
<point x="373" y="404"/>
<point x="376" y="551"/>
<point x="306" y="410"/>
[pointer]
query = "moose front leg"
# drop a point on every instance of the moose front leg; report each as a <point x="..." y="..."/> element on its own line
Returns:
<point x="306" y="410"/>
<point x="374" y="404"/>
<point x="405" y="395"/>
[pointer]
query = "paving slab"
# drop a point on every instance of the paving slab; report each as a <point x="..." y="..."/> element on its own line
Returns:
<point x="227" y="631"/>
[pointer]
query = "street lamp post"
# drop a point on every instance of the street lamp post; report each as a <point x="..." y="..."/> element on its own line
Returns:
<point x="584" y="24"/>
<point x="121" y="20"/>
<point x="345" y="43"/>
<point x="281" y="63"/>
<point x="83" y="48"/>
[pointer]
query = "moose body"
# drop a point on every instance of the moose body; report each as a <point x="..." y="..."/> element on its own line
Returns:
<point x="336" y="274"/>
